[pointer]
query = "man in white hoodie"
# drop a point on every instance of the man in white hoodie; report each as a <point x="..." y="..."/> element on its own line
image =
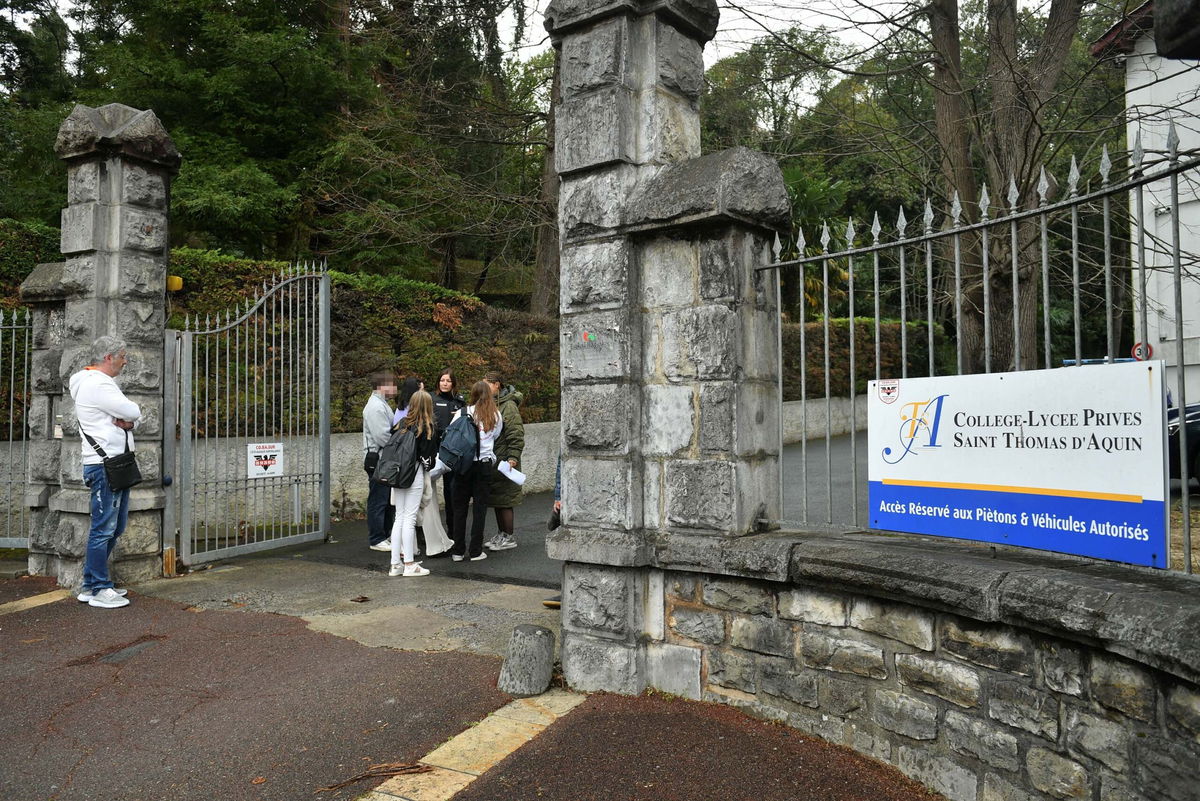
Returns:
<point x="107" y="416"/>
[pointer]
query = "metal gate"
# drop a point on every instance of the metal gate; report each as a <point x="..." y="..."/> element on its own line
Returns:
<point x="246" y="422"/>
<point x="14" y="390"/>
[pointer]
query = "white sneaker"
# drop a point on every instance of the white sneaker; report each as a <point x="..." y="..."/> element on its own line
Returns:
<point x="480" y="558"/>
<point x="415" y="569"/>
<point x="108" y="599"/>
<point x="87" y="595"/>
<point x="386" y="545"/>
<point x="503" y="543"/>
<point x="456" y="557"/>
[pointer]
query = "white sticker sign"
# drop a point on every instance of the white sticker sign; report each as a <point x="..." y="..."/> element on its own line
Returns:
<point x="1070" y="460"/>
<point x="264" y="459"/>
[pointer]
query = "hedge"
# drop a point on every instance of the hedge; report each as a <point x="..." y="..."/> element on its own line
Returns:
<point x="389" y="323"/>
<point x="864" y="355"/>
<point x="22" y="247"/>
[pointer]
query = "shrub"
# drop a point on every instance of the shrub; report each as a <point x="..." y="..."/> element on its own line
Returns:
<point x="23" y="246"/>
<point x="864" y="355"/>
<point x="390" y="323"/>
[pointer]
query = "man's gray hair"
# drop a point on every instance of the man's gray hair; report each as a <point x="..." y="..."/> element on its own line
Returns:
<point x="106" y="346"/>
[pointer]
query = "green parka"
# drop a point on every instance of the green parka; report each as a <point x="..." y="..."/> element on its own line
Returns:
<point x="509" y="445"/>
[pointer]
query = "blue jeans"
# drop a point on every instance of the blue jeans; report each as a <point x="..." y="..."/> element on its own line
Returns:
<point x="380" y="512"/>
<point x="110" y="513"/>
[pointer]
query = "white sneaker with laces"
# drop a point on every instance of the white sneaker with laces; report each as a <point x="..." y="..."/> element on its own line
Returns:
<point x="87" y="595"/>
<point x="503" y="543"/>
<point x="386" y="545"/>
<point x="108" y="599"/>
<point x="415" y="569"/>
<point x="480" y="558"/>
<point x="456" y="557"/>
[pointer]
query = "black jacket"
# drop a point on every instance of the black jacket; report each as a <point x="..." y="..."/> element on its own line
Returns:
<point x="444" y="406"/>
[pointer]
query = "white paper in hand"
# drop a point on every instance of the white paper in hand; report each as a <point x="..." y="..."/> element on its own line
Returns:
<point x="439" y="469"/>
<point x="511" y="473"/>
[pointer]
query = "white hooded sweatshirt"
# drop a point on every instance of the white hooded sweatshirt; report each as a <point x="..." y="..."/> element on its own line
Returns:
<point x="98" y="402"/>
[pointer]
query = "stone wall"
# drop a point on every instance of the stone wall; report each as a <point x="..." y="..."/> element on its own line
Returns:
<point x="987" y="676"/>
<point x="120" y="163"/>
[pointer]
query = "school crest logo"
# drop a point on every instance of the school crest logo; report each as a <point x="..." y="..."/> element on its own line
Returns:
<point x="888" y="390"/>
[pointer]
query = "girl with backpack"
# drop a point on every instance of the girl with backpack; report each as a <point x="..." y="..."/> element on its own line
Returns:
<point x="474" y="484"/>
<point x="407" y="500"/>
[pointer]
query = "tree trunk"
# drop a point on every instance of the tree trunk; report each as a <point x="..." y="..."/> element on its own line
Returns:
<point x="449" y="278"/>
<point x="488" y="257"/>
<point x="544" y="301"/>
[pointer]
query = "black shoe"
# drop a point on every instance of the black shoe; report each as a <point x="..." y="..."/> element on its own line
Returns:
<point x="553" y="603"/>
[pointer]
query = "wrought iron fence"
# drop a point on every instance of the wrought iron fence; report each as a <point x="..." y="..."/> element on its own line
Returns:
<point x="15" y="335"/>
<point x="1035" y="282"/>
<point x="254" y="380"/>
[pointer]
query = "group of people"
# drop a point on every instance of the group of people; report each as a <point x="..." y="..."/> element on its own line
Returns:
<point x="404" y="522"/>
<point x="407" y="521"/>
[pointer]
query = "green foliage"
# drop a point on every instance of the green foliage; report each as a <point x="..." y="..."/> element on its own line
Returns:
<point x="838" y="349"/>
<point x="383" y="322"/>
<point x="22" y="247"/>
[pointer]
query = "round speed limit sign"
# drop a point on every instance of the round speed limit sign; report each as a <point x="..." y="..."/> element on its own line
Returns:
<point x="1142" y="351"/>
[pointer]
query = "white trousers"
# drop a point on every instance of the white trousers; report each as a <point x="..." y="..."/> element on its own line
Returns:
<point x="407" y="501"/>
<point x="408" y="511"/>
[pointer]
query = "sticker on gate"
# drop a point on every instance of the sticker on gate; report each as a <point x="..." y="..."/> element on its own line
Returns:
<point x="264" y="459"/>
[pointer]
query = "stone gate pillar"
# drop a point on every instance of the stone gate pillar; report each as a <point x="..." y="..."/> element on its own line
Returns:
<point x="120" y="162"/>
<point x="670" y="339"/>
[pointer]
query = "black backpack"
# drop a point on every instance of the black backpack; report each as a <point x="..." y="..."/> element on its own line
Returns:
<point x="460" y="444"/>
<point x="398" y="460"/>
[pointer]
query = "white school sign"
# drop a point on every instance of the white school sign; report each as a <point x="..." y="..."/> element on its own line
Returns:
<point x="1070" y="460"/>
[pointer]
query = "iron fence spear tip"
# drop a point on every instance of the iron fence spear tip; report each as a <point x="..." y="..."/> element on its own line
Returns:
<point x="825" y="235"/>
<point x="1073" y="177"/>
<point x="901" y="222"/>
<point x="1172" y="140"/>
<point x="985" y="201"/>
<point x="955" y="208"/>
<point x="800" y="241"/>
<point x="1138" y="153"/>
<point x="1013" y="194"/>
<point x="850" y="232"/>
<point x="1105" y="164"/>
<point x="1043" y="186"/>
<point x="928" y="215"/>
<point x="876" y="228"/>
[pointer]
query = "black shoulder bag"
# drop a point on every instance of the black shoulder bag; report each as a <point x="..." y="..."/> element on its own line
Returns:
<point x="121" y="470"/>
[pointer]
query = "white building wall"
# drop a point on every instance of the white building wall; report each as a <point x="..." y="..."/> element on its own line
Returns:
<point x="1159" y="91"/>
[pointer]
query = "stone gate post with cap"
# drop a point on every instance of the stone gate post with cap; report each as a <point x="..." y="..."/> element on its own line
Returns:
<point x="120" y="162"/>
<point x="670" y="338"/>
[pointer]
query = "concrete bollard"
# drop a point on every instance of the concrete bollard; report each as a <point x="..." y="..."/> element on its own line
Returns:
<point x="529" y="661"/>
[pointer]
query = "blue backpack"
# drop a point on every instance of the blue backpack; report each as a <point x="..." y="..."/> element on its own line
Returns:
<point x="460" y="444"/>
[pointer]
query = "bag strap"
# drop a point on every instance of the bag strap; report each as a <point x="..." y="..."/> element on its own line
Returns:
<point x="96" y="445"/>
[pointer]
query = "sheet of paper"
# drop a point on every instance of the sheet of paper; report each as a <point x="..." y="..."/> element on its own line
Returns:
<point x="511" y="473"/>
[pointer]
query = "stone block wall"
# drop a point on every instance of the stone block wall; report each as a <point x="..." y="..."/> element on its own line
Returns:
<point x="120" y="162"/>
<point x="976" y="701"/>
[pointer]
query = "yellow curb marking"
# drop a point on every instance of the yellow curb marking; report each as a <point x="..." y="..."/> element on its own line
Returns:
<point x="463" y="759"/>
<point x="34" y="601"/>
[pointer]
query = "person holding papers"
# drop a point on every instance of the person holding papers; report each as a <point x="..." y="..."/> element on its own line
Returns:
<point x="473" y="486"/>
<point x="505" y="490"/>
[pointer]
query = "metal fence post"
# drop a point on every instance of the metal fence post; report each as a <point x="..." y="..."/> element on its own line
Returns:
<point x="324" y="405"/>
